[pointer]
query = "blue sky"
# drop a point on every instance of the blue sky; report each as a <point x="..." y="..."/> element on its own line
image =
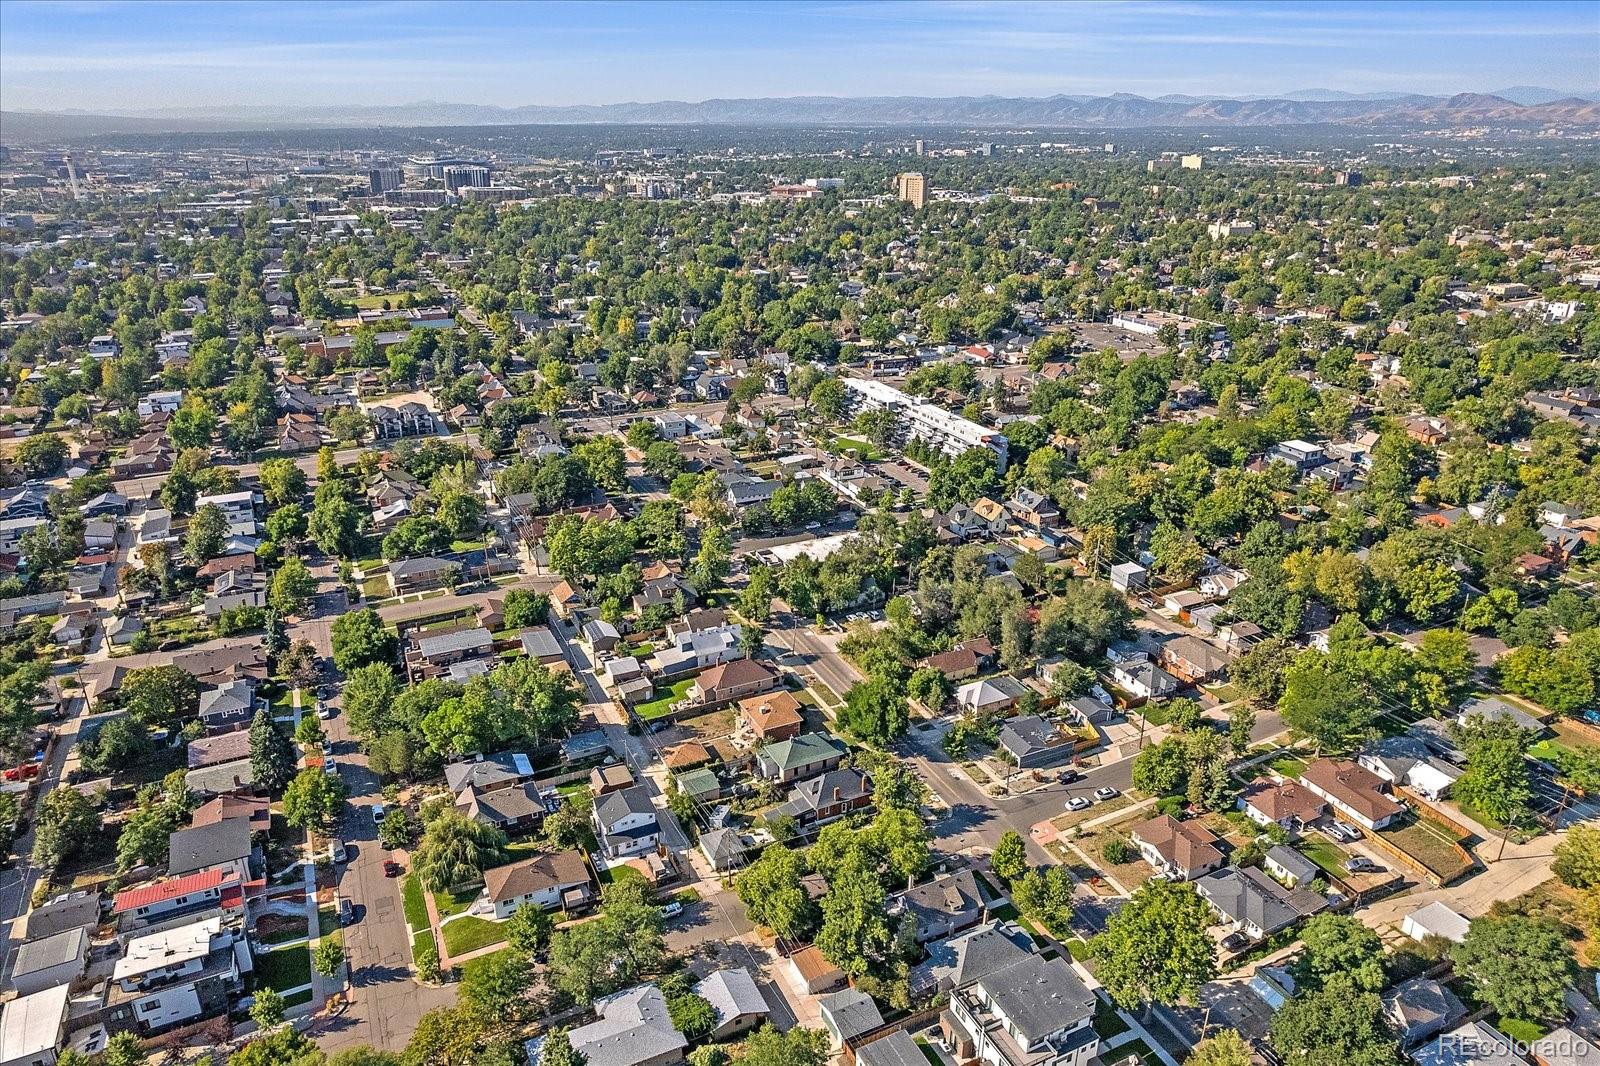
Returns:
<point x="132" y="56"/>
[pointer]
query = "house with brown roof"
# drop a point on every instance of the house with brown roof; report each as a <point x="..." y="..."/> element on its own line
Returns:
<point x="1354" y="791"/>
<point x="687" y="756"/>
<point x="731" y="681"/>
<point x="1192" y="660"/>
<point x="1180" y="851"/>
<point x="1289" y="806"/>
<point x="548" y="881"/>
<point x="772" y="716"/>
<point x="956" y="664"/>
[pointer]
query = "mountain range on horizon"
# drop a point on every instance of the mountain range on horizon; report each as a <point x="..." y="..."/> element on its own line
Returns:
<point x="1525" y="106"/>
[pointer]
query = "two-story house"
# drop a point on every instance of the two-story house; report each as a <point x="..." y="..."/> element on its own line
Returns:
<point x="176" y="976"/>
<point x="625" y="822"/>
<point x="1032" y="1012"/>
<point x="803" y="756"/>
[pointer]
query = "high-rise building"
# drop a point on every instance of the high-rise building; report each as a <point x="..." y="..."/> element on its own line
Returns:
<point x="912" y="188"/>
<point x="1192" y="162"/>
<point x="986" y="150"/>
<point x="922" y="147"/>
<point x="383" y="179"/>
<point x="460" y="177"/>
<point x="1347" y="177"/>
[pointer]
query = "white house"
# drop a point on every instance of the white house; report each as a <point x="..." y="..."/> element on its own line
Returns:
<point x="625" y="822"/>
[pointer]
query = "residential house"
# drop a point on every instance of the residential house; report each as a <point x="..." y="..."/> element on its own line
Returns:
<point x="1289" y="806"/>
<point x="802" y="756"/>
<point x="944" y="906"/>
<point x="731" y="681"/>
<point x="848" y="1014"/>
<point x="686" y="651"/>
<point x="1421" y="1008"/>
<point x="634" y="1029"/>
<point x="814" y="972"/>
<point x="827" y="797"/>
<point x="236" y="588"/>
<point x="1289" y="866"/>
<point x="1034" y="741"/>
<point x="541" y="645"/>
<point x="1493" y="710"/>
<point x="159" y="901"/>
<point x="724" y="849"/>
<point x="1435" y="919"/>
<point x="489" y="773"/>
<point x="1143" y="680"/>
<point x="514" y="809"/>
<point x="435" y="653"/>
<point x="771" y="716"/>
<point x="1248" y="901"/>
<point x="1192" y="660"/>
<point x="613" y="778"/>
<point x="228" y="707"/>
<point x="226" y="845"/>
<point x="736" y="999"/>
<point x="1472" y="1044"/>
<point x="896" y="1049"/>
<point x="1179" y="851"/>
<point x="1408" y="762"/>
<point x="239" y="508"/>
<point x="955" y="664"/>
<point x="421" y="574"/>
<point x="410" y="419"/>
<point x="990" y="696"/>
<point x="625" y="822"/>
<point x="48" y="961"/>
<point x="1031" y="1012"/>
<point x="548" y="881"/>
<point x="33" y="1027"/>
<point x="1353" y="790"/>
<point x="176" y="976"/>
<point x="1129" y="577"/>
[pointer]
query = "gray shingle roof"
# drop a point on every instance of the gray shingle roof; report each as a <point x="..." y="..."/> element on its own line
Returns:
<point x="852" y="1011"/>
<point x="208" y="845"/>
<point x="1040" y="996"/>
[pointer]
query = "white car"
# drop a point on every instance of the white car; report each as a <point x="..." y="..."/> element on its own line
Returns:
<point x="671" y="910"/>
<point x="377" y="813"/>
<point x="324" y="712"/>
<point x="1079" y="803"/>
<point x="1106" y="793"/>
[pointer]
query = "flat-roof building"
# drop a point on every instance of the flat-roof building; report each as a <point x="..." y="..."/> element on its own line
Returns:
<point x="927" y="422"/>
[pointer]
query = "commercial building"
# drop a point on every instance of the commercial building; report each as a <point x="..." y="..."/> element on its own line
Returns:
<point x="927" y="422"/>
<point x="912" y="188"/>
<point x="457" y="178"/>
<point x="385" y="179"/>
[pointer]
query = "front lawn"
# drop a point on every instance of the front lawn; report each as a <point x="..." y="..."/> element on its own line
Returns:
<point x="663" y="699"/>
<point x="415" y="904"/>
<point x="1431" y="844"/>
<point x="1328" y="857"/>
<point x="285" y="968"/>
<point x="462" y="935"/>
<point x="457" y="902"/>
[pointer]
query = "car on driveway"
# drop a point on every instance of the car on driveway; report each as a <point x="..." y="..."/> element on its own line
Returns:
<point x="1106" y="793"/>
<point x="1350" y="831"/>
<point x="377" y="813"/>
<point x="671" y="910"/>
<point x="324" y="711"/>
<point x="1079" y="803"/>
<point x="1360" y="864"/>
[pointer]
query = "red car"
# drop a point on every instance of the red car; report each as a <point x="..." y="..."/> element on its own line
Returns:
<point x="391" y="868"/>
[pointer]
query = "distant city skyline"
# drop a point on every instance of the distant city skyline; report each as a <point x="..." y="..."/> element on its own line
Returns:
<point x="125" y="58"/>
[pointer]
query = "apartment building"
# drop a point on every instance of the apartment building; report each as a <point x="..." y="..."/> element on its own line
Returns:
<point x="927" y="422"/>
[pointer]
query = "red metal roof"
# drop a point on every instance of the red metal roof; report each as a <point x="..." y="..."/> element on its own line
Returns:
<point x="162" y="891"/>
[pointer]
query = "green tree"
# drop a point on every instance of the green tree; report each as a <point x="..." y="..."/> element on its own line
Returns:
<point x="283" y="1046"/>
<point x="1222" y="1048"/>
<point x="328" y="958"/>
<point x="523" y="608"/>
<point x="370" y="697"/>
<point x="797" y="1047"/>
<point x="313" y="799"/>
<point x="556" y="1050"/>
<point x="875" y="711"/>
<point x="360" y="638"/>
<point x="272" y="756"/>
<point x="266" y="1009"/>
<point x="1010" y="858"/>
<point x="206" y="535"/>
<point x="1162" y="769"/>
<point x="396" y="829"/>
<point x="123" y="1049"/>
<point x="1520" y="966"/>
<point x="693" y="1016"/>
<point x="1577" y="858"/>
<point x="498" y="985"/>
<point x="1332" y="1026"/>
<point x="160" y="696"/>
<point x="455" y="850"/>
<point x="1496" y="781"/>
<point x="1324" y="704"/>
<point x="282" y="482"/>
<point x="293" y="587"/>
<point x="529" y="929"/>
<point x="1241" y="723"/>
<point x="1045" y="896"/>
<point x="771" y="890"/>
<point x="1155" y="949"/>
<point x="1340" y="948"/>
<point x="855" y="928"/>
<point x="64" y="822"/>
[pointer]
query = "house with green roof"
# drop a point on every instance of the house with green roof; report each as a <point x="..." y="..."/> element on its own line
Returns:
<point x="804" y="756"/>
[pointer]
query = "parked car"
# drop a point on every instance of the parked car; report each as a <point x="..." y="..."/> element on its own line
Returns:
<point x="1235" y="942"/>
<point x="327" y="748"/>
<point x="1106" y="793"/>
<point x="391" y="868"/>
<point x="1349" y="830"/>
<point x="377" y="813"/>
<point x="671" y="910"/>
<point x="336" y="851"/>
<point x="347" y="911"/>
<point x="1069" y="775"/>
<point x="1079" y="803"/>
<point x="1360" y="864"/>
<point x="324" y="711"/>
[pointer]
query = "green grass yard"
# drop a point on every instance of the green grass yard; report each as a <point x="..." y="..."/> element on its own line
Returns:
<point x="285" y="968"/>
<point x="416" y="904"/>
<point x="462" y="935"/>
<point x="451" y="903"/>
<point x="663" y="700"/>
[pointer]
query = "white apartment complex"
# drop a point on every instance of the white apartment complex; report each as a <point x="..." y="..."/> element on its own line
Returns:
<point x="927" y="422"/>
